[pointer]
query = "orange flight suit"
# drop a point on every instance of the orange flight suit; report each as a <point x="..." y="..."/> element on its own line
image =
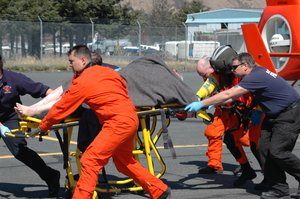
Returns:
<point x="224" y="120"/>
<point x="105" y="91"/>
<point x="248" y="139"/>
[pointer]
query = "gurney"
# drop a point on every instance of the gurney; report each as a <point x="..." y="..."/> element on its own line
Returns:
<point x="152" y="105"/>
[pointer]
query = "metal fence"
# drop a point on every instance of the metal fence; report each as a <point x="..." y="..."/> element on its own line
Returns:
<point x="42" y="39"/>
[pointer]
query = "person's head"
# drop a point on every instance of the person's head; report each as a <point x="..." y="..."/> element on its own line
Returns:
<point x="242" y="64"/>
<point x="96" y="58"/>
<point x="79" y="57"/>
<point x="204" y="69"/>
<point x="221" y="59"/>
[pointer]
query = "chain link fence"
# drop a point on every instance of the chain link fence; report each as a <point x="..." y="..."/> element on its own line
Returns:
<point x="49" y="39"/>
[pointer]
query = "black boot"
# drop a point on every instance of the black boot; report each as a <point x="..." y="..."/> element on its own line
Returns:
<point x="166" y="194"/>
<point x="247" y="174"/>
<point x="209" y="170"/>
<point x="53" y="184"/>
<point x="262" y="186"/>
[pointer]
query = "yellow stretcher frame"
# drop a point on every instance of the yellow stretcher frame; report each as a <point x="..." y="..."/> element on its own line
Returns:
<point x="144" y="144"/>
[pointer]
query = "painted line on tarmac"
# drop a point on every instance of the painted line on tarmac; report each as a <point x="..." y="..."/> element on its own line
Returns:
<point x="60" y="153"/>
<point x="41" y="154"/>
<point x="159" y="147"/>
<point x="55" y="139"/>
<point x="73" y="142"/>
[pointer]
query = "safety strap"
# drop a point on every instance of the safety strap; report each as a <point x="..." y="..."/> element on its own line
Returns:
<point x="63" y="143"/>
<point x="168" y="144"/>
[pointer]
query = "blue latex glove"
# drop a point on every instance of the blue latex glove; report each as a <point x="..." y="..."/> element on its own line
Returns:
<point x="256" y="117"/>
<point x="4" y="130"/>
<point x="194" y="107"/>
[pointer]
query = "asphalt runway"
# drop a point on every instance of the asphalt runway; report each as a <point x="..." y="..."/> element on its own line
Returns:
<point x="18" y="181"/>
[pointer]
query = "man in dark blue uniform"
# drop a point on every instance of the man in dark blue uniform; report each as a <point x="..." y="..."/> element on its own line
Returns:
<point x="12" y="86"/>
<point x="281" y="126"/>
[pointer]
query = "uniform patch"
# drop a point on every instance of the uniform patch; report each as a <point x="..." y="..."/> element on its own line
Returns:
<point x="7" y="89"/>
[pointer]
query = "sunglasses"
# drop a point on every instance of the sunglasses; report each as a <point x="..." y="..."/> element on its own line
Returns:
<point x="233" y="67"/>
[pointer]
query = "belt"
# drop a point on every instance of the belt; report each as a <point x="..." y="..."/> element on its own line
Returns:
<point x="290" y="107"/>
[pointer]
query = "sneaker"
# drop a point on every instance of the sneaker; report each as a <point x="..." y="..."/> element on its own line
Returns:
<point x="262" y="186"/>
<point x="166" y="194"/>
<point x="274" y="195"/>
<point x="249" y="175"/>
<point x="209" y="170"/>
<point x="53" y="184"/>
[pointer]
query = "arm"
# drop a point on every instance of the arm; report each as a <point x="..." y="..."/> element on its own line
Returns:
<point x="51" y="96"/>
<point x="208" y="87"/>
<point x="226" y="96"/>
<point x="25" y="85"/>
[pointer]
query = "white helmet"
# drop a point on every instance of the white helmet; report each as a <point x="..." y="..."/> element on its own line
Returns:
<point x="222" y="57"/>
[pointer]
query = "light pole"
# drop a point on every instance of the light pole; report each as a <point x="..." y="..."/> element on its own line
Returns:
<point x="185" y="46"/>
<point x="41" y="38"/>
<point x="92" y="32"/>
<point x="140" y="32"/>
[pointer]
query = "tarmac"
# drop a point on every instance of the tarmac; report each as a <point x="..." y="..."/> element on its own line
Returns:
<point x="18" y="181"/>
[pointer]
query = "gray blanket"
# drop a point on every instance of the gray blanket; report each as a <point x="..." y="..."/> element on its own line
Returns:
<point x="150" y="83"/>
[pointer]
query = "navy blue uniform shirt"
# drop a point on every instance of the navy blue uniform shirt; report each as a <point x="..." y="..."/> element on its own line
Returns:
<point x="13" y="85"/>
<point x="270" y="91"/>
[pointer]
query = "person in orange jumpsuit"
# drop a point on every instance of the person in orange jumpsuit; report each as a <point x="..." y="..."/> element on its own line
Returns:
<point x="105" y="91"/>
<point x="225" y="121"/>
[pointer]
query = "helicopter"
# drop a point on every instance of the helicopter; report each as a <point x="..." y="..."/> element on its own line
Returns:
<point x="274" y="42"/>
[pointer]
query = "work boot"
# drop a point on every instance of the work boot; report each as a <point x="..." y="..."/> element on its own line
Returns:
<point x="247" y="174"/>
<point x="262" y="186"/>
<point x="272" y="194"/>
<point x="53" y="184"/>
<point x="209" y="170"/>
<point x="166" y="194"/>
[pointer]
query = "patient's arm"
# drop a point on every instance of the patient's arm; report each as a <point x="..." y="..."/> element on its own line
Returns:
<point x="41" y="106"/>
<point x="53" y="96"/>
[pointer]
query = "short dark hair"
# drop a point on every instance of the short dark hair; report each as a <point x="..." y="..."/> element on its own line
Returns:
<point x="82" y="50"/>
<point x="96" y="58"/>
<point x="246" y="58"/>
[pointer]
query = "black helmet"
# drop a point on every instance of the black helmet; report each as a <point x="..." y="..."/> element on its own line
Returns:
<point x="222" y="57"/>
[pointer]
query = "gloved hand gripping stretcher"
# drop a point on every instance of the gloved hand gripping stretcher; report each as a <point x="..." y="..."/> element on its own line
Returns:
<point x="156" y="91"/>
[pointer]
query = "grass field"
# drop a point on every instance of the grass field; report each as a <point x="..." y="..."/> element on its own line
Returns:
<point x="61" y="63"/>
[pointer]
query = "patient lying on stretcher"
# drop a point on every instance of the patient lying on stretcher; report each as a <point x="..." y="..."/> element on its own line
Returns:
<point x="150" y="84"/>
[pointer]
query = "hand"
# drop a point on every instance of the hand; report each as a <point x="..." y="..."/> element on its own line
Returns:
<point x="256" y="117"/>
<point x="4" y="130"/>
<point x="35" y="132"/>
<point x="194" y="106"/>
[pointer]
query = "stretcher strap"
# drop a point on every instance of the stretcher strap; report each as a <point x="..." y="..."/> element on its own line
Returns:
<point x="64" y="143"/>
<point x="168" y="144"/>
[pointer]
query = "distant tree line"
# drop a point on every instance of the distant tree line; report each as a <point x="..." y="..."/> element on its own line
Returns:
<point x="109" y="12"/>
